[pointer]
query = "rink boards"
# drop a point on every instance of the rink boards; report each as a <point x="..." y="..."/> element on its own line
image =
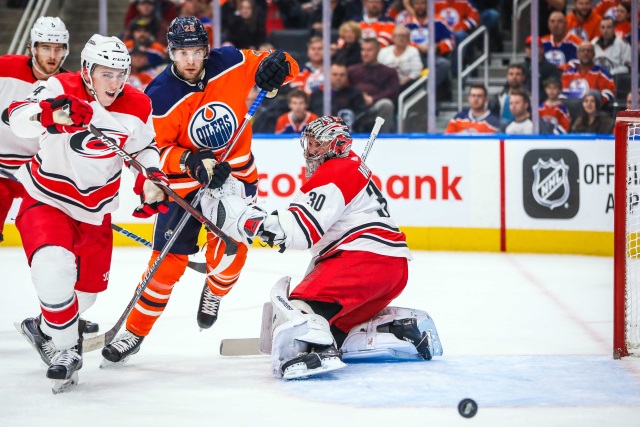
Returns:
<point x="516" y="194"/>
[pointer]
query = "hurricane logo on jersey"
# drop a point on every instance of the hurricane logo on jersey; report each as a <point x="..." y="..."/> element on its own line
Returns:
<point x="86" y="144"/>
<point x="451" y="16"/>
<point x="212" y="125"/>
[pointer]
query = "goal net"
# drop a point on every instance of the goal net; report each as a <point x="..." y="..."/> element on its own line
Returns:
<point x="626" y="322"/>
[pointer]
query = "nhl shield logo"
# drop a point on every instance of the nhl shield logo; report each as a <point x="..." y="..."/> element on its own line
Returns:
<point x="551" y="183"/>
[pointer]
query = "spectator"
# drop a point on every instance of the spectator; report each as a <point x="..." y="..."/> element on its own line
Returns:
<point x="546" y="70"/>
<point x="311" y="76"/>
<point x="141" y="72"/>
<point x="519" y="104"/>
<point x="612" y="52"/>
<point x="476" y="119"/>
<point x="546" y="8"/>
<point x="347" y="102"/>
<point x="607" y="8"/>
<point x="630" y="100"/>
<point x="586" y="75"/>
<point x="402" y="57"/>
<point x="553" y="110"/>
<point x="560" y="46"/>
<point x="374" y="23"/>
<point x="499" y="104"/>
<point x="623" y="20"/>
<point x="348" y="46"/>
<point x="142" y="31"/>
<point x="462" y="17"/>
<point x="583" y="21"/>
<point x="298" y="117"/>
<point x="591" y="119"/>
<point x="246" y="29"/>
<point x="160" y="11"/>
<point x="378" y="83"/>
<point x="201" y="9"/>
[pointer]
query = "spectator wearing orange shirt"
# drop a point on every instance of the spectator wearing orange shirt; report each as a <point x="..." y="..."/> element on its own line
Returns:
<point x="141" y="73"/>
<point x="142" y="31"/>
<point x="311" y="76"/>
<point x="374" y="23"/>
<point x="553" y="110"/>
<point x="623" y="20"/>
<point x="578" y="80"/>
<point x="583" y="21"/>
<point x="299" y="115"/>
<point x="476" y="119"/>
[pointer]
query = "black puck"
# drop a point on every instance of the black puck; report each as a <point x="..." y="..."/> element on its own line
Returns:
<point x="467" y="408"/>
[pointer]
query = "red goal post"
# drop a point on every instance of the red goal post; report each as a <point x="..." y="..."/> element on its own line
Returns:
<point x="626" y="293"/>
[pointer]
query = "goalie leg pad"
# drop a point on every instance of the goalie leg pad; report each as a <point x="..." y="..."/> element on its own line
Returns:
<point x="393" y="334"/>
<point x="293" y="331"/>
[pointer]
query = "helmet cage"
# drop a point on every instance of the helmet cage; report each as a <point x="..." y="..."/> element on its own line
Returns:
<point x="333" y="139"/>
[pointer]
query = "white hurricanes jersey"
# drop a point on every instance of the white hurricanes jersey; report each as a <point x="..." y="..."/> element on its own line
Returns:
<point x="16" y="82"/>
<point x="341" y="208"/>
<point x="77" y="173"/>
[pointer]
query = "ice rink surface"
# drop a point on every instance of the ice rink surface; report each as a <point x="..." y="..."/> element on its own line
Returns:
<point x="528" y="337"/>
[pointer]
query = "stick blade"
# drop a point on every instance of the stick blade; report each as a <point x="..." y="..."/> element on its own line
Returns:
<point x="240" y="347"/>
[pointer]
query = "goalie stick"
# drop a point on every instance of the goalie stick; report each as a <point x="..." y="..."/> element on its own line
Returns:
<point x="100" y="341"/>
<point x="251" y="346"/>
<point x="200" y="267"/>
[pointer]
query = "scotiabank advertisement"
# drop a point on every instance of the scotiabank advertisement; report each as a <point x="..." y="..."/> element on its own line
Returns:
<point x="512" y="194"/>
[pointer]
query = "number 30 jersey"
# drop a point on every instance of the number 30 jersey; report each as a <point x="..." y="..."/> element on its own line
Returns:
<point x="341" y="209"/>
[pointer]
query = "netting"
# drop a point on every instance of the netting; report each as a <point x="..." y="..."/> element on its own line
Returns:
<point x="632" y="274"/>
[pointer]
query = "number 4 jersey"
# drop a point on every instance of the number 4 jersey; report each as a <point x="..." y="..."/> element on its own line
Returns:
<point x="341" y="208"/>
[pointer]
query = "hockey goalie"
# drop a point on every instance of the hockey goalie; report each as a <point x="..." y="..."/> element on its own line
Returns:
<point x="340" y="311"/>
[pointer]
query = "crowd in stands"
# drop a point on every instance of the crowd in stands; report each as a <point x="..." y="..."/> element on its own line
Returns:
<point x="380" y="48"/>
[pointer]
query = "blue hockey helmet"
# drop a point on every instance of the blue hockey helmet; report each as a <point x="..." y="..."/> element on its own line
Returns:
<point x="187" y="31"/>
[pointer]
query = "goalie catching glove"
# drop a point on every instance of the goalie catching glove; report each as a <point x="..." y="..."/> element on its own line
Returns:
<point x="204" y="168"/>
<point x="65" y="114"/>
<point x="152" y="197"/>
<point x="273" y="71"/>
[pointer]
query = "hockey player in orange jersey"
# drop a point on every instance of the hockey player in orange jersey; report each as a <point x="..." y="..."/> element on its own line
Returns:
<point x="198" y="102"/>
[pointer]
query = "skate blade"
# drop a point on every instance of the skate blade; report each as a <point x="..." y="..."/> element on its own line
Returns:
<point x="62" y="385"/>
<point x="300" y="370"/>
<point x="107" y="364"/>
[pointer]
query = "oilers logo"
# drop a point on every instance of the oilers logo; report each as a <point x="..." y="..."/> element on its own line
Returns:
<point x="212" y="125"/>
<point x="85" y="144"/>
<point x="556" y="57"/>
<point x="419" y="35"/>
<point x="451" y="16"/>
<point x="578" y="88"/>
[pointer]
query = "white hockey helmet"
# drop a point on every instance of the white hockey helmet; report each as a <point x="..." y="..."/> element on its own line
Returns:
<point x="49" y="29"/>
<point x="107" y="51"/>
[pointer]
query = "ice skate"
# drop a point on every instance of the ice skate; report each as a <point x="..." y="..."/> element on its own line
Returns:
<point x="121" y="349"/>
<point x="317" y="361"/>
<point x="64" y="368"/>
<point x="30" y="329"/>
<point x="208" y="308"/>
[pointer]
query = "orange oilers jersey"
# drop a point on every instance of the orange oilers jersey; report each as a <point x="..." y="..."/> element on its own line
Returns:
<point x="286" y="124"/>
<point x="206" y="114"/>
<point x="460" y="15"/>
<point x="382" y="30"/>
<point x="557" y="115"/>
<point x="576" y="84"/>
<point x="588" y="29"/>
<point x="464" y="123"/>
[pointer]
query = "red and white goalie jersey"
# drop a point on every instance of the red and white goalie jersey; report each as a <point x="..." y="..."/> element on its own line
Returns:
<point x="16" y="82"/>
<point x="341" y="209"/>
<point x="77" y="173"/>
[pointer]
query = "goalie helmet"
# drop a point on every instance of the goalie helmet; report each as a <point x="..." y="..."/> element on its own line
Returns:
<point x="187" y="31"/>
<point x="106" y="51"/>
<point x="325" y="138"/>
<point x="48" y="29"/>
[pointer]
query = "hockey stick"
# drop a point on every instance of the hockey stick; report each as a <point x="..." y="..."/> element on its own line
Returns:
<point x="251" y="346"/>
<point x="100" y="341"/>
<point x="200" y="267"/>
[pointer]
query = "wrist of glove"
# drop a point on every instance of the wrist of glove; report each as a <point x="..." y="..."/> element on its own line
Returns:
<point x="200" y="165"/>
<point x="272" y="71"/>
<point x="65" y="114"/>
<point x="271" y="232"/>
<point x="152" y="198"/>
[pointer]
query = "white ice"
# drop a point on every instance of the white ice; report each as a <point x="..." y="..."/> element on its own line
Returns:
<point x="527" y="336"/>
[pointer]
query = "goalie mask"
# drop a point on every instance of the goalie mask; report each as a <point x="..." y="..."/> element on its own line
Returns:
<point x="324" y="138"/>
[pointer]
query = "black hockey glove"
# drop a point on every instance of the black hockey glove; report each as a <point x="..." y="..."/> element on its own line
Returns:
<point x="220" y="174"/>
<point x="199" y="166"/>
<point x="273" y="70"/>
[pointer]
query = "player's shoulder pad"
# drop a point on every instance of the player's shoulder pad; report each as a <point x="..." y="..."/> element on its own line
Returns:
<point x="17" y="67"/>
<point x="133" y="102"/>
<point x="69" y="83"/>
<point x="221" y="60"/>
<point x="349" y="174"/>
<point x="165" y="90"/>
